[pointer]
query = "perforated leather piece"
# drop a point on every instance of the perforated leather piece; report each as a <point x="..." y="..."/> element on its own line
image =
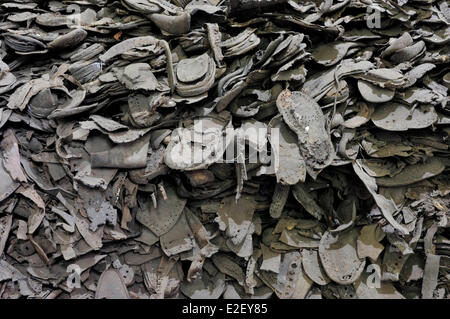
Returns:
<point x="162" y="218"/>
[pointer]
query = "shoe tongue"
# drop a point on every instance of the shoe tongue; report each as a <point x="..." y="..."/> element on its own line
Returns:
<point x="111" y="286"/>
